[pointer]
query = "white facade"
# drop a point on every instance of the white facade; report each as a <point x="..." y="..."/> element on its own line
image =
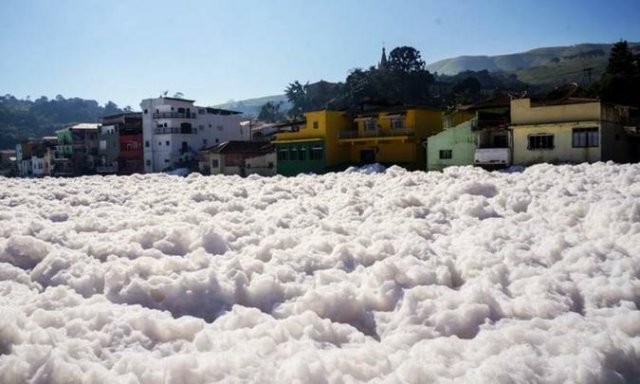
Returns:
<point x="24" y="168"/>
<point x="174" y="130"/>
<point x="37" y="166"/>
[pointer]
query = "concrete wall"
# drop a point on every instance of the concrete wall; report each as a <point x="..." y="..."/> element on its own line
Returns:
<point x="261" y="165"/>
<point x="387" y="152"/>
<point x="522" y="113"/>
<point x="562" y="152"/>
<point x="460" y="140"/>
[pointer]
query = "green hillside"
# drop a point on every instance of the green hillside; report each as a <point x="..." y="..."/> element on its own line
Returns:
<point x="539" y="66"/>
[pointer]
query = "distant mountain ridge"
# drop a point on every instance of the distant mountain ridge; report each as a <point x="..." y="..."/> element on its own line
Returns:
<point x="546" y="66"/>
<point x="523" y="60"/>
<point x="251" y="107"/>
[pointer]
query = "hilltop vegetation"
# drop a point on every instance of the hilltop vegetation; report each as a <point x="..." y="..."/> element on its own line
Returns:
<point x="542" y="68"/>
<point x="20" y="119"/>
<point x="589" y="54"/>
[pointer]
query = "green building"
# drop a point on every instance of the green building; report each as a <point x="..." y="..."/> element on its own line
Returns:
<point x="302" y="156"/>
<point x="453" y="146"/>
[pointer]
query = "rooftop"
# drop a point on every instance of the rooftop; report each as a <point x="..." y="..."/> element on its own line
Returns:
<point x="218" y="111"/>
<point x="123" y="114"/>
<point x="237" y="146"/>
<point x="85" y="126"/>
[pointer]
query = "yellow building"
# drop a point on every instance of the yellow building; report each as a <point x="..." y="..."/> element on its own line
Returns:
<point x="312" y="146"/>
<point x="569" y="131"/>
<point x="392" y="136"/>
<point x="332" y="140"/>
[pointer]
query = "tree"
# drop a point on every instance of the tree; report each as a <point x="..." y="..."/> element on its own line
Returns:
<point x="621" y="61"/>
<point x="359" y="86"/>
<point x="270" y="112"/>
<point x="467" y="90"/>
<point x="297" y="96"/>
<point x="405" y="59"/>
<point x="178" y="95"/>
<point x="621" y="82"/>
<point x="111" y="108"/>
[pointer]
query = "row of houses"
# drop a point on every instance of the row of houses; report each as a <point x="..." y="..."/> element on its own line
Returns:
<point x="172" y="133"/>
<point x="504" y="132"/>
<point x="169" y="133"/>
<point x="497" y="133"/>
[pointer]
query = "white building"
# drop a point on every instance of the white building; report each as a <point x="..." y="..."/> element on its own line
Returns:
<point x="37" y="166"/>
<point x="174" y="130"/>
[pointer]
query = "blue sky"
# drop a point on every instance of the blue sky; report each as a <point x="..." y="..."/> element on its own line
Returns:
<point x="214" y="50"/>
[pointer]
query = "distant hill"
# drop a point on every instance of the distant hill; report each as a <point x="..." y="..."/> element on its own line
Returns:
<point x="21" y="119"/>
<point x="548" y="66"/>
<point x="539" y="66"/>
<point x="251" y="107"/>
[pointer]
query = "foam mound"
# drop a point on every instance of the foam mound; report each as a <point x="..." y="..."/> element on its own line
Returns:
<point x="377" y="275"/>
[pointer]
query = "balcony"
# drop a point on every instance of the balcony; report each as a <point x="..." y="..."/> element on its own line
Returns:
<point x="174" y="115"/>
<point x="377" y="133"/>
<point x="492" y="156"/>
<point x="174" y="131"/>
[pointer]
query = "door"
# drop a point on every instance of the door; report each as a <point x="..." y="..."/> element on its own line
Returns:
<point x="368" y="156"/>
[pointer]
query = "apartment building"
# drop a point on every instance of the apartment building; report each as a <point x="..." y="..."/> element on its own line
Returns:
<point x="174" y="130"/>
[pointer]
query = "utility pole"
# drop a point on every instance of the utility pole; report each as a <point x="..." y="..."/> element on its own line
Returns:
<point x="586" y="74"/>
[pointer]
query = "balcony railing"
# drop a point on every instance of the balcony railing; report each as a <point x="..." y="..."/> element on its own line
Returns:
<point x="489" y="123"/>
<point x="174" y="130"/>
<point x="492" y="156"/>
<point x="376" y="133"/>
<point x="174" y="115"/>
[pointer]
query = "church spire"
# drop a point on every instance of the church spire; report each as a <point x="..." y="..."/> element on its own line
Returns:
<point x="383" y="59"/>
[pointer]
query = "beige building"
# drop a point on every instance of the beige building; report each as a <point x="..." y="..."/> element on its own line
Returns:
<point x="241" y="158"/>
<point x="573" y="130"/>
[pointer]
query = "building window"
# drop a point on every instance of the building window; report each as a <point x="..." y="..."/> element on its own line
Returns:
<point x="166" y="160"/>
<point x="148" y="162"/>
<point x="159" y="143"/>
<point x="317" y="153"/>
<point x="316" y="125"/>
<point x="293" y="155"/>
<point x="446" y="154"/>
<point x="168" y="143"/>
<point x="204" y="142"/>
<point x="283" y="154"/>
<point x="397" y="123"/>
<point x="369" y="125"/>
<point x="145" y="111"/>
<point x="302" y="154"/>
<point x="540" y="142"/>
<point x="146" y="143"/>
<point x="585" y="137"/>
<point x="214" y="163"/>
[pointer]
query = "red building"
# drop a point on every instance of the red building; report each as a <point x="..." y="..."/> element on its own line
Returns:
<point x="129" y="152"/>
